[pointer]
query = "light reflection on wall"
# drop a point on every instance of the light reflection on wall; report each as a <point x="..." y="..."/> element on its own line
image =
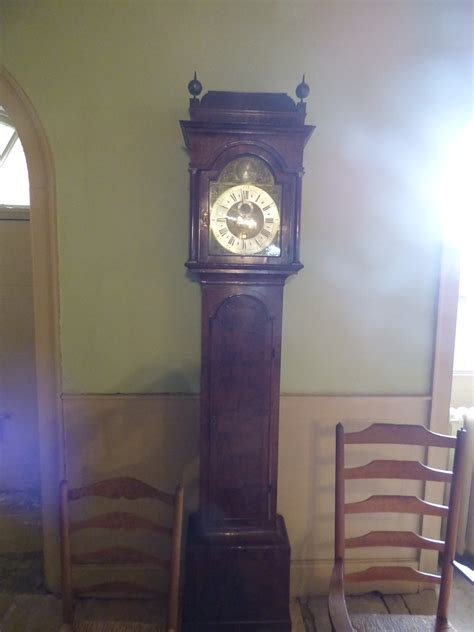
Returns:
<point x="455" y="201"/>
<point x="455" y="192"/>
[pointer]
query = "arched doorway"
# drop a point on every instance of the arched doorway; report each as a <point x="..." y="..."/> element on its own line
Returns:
<point x="21" y="543"/>
<point x="46" y="309"/>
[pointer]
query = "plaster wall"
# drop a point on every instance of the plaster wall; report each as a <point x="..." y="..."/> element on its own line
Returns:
<point x="108" y="80"/>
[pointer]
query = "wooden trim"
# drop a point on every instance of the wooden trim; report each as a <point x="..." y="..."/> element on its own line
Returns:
<point x="71" y="398"/>
<point x="392" y="573"/>
<point x="175" y="563"/>
<point x="46" y="310"/>
<point x="339" y="536"/>
<point x="68" y="607"/>
<point x="443" y="357"/>
<point x="445" y="337"/>
<point x="407" y="504"/>
<point x="407" y="539"/>
<point x="401" y="435"/>
<point x="14" y="213"/>
<point x="403" y="470"/>
<point x="364" y="407"/>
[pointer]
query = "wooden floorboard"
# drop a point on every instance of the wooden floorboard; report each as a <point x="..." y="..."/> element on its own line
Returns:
<point x="296" y="614"/>
<point x="424" y="602"/>
<point x="318" y="606"/>
<point x="395" y="604"/>
<point x="314" y="609"/>
<point x="366" y="604"/>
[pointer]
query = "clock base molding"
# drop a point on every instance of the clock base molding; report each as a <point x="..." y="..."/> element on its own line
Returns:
<point x="242" y="583"/>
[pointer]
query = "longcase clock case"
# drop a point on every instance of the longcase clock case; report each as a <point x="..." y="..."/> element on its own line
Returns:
<point x="237" y="551"/>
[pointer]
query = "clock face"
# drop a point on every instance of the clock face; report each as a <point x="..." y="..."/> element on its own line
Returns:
<point x="245" y="220"/>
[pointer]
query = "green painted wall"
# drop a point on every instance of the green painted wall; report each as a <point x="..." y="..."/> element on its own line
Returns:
<point x="390" y="83"/>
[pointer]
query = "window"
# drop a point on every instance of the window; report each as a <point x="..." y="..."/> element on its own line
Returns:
<point x="464" y="348"/>
<point x="14" y="186"/>
<point x="455" y="196"/>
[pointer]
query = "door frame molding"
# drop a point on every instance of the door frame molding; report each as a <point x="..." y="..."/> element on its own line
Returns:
<point x="46" y="310"/>
<point x="441" y="385"/>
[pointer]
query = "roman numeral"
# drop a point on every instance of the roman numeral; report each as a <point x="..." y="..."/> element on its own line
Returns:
<point x="245" y="194"/>
<point x="265" y="208"/>
<point x="269" y="220"/>
<point x="231" y="240"/>
<point x="265" y="232"/>
<point x="223" y="231"/>
<point x="233" y="196"/>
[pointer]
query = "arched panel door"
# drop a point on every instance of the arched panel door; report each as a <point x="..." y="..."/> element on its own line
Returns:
<point x="240" y="380"/>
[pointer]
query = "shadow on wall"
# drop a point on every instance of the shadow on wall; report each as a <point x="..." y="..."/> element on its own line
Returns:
<point x="153" y="436"/>
<point x="156" y="383"/>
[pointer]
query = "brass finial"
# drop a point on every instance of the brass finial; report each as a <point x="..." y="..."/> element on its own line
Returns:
<point x="302" y="90"/>
<point x="195" y="86"/>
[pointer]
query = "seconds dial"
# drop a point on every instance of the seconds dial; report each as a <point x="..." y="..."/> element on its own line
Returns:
<point x="245" y="220"/>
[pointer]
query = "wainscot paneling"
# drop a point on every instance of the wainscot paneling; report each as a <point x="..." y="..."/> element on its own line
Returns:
<point x="155" y="438"/>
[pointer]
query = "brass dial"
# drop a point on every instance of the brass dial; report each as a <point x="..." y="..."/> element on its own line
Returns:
<point x="245" y="220"/>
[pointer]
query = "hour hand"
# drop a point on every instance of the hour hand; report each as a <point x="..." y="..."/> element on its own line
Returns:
<point x="232" y="217"/>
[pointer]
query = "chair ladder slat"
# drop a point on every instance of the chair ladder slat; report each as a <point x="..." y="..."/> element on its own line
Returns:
<point x="394" y="538"/>
<point x="119" y="520"/>
<point x="413" y="470"/>
<point x="392" y="573"/>
<point x="121" y="487"/>
<point x="118" y="587"/>
<point x="118" y="555"/>
<point x="400" y="434"/>
<point x="396" y="504"/>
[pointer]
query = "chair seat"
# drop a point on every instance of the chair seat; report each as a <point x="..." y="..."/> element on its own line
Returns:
<point x="398" y="623"/>
<point x="115" y="626"/>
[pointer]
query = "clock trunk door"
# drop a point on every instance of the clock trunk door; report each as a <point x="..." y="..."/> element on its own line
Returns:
<point x="240" y="407"/>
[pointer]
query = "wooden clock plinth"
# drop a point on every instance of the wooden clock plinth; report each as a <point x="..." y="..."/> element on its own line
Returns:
<point x="246" y="155"/>
<point x="237" y="583"/>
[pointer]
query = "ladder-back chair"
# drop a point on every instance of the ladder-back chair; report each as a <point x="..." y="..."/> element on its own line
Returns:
<point x="121" y="557"/>
<point x="404" y="435"/>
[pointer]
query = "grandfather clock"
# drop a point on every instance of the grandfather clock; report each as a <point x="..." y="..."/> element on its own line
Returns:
<point x="246" y="167"/>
